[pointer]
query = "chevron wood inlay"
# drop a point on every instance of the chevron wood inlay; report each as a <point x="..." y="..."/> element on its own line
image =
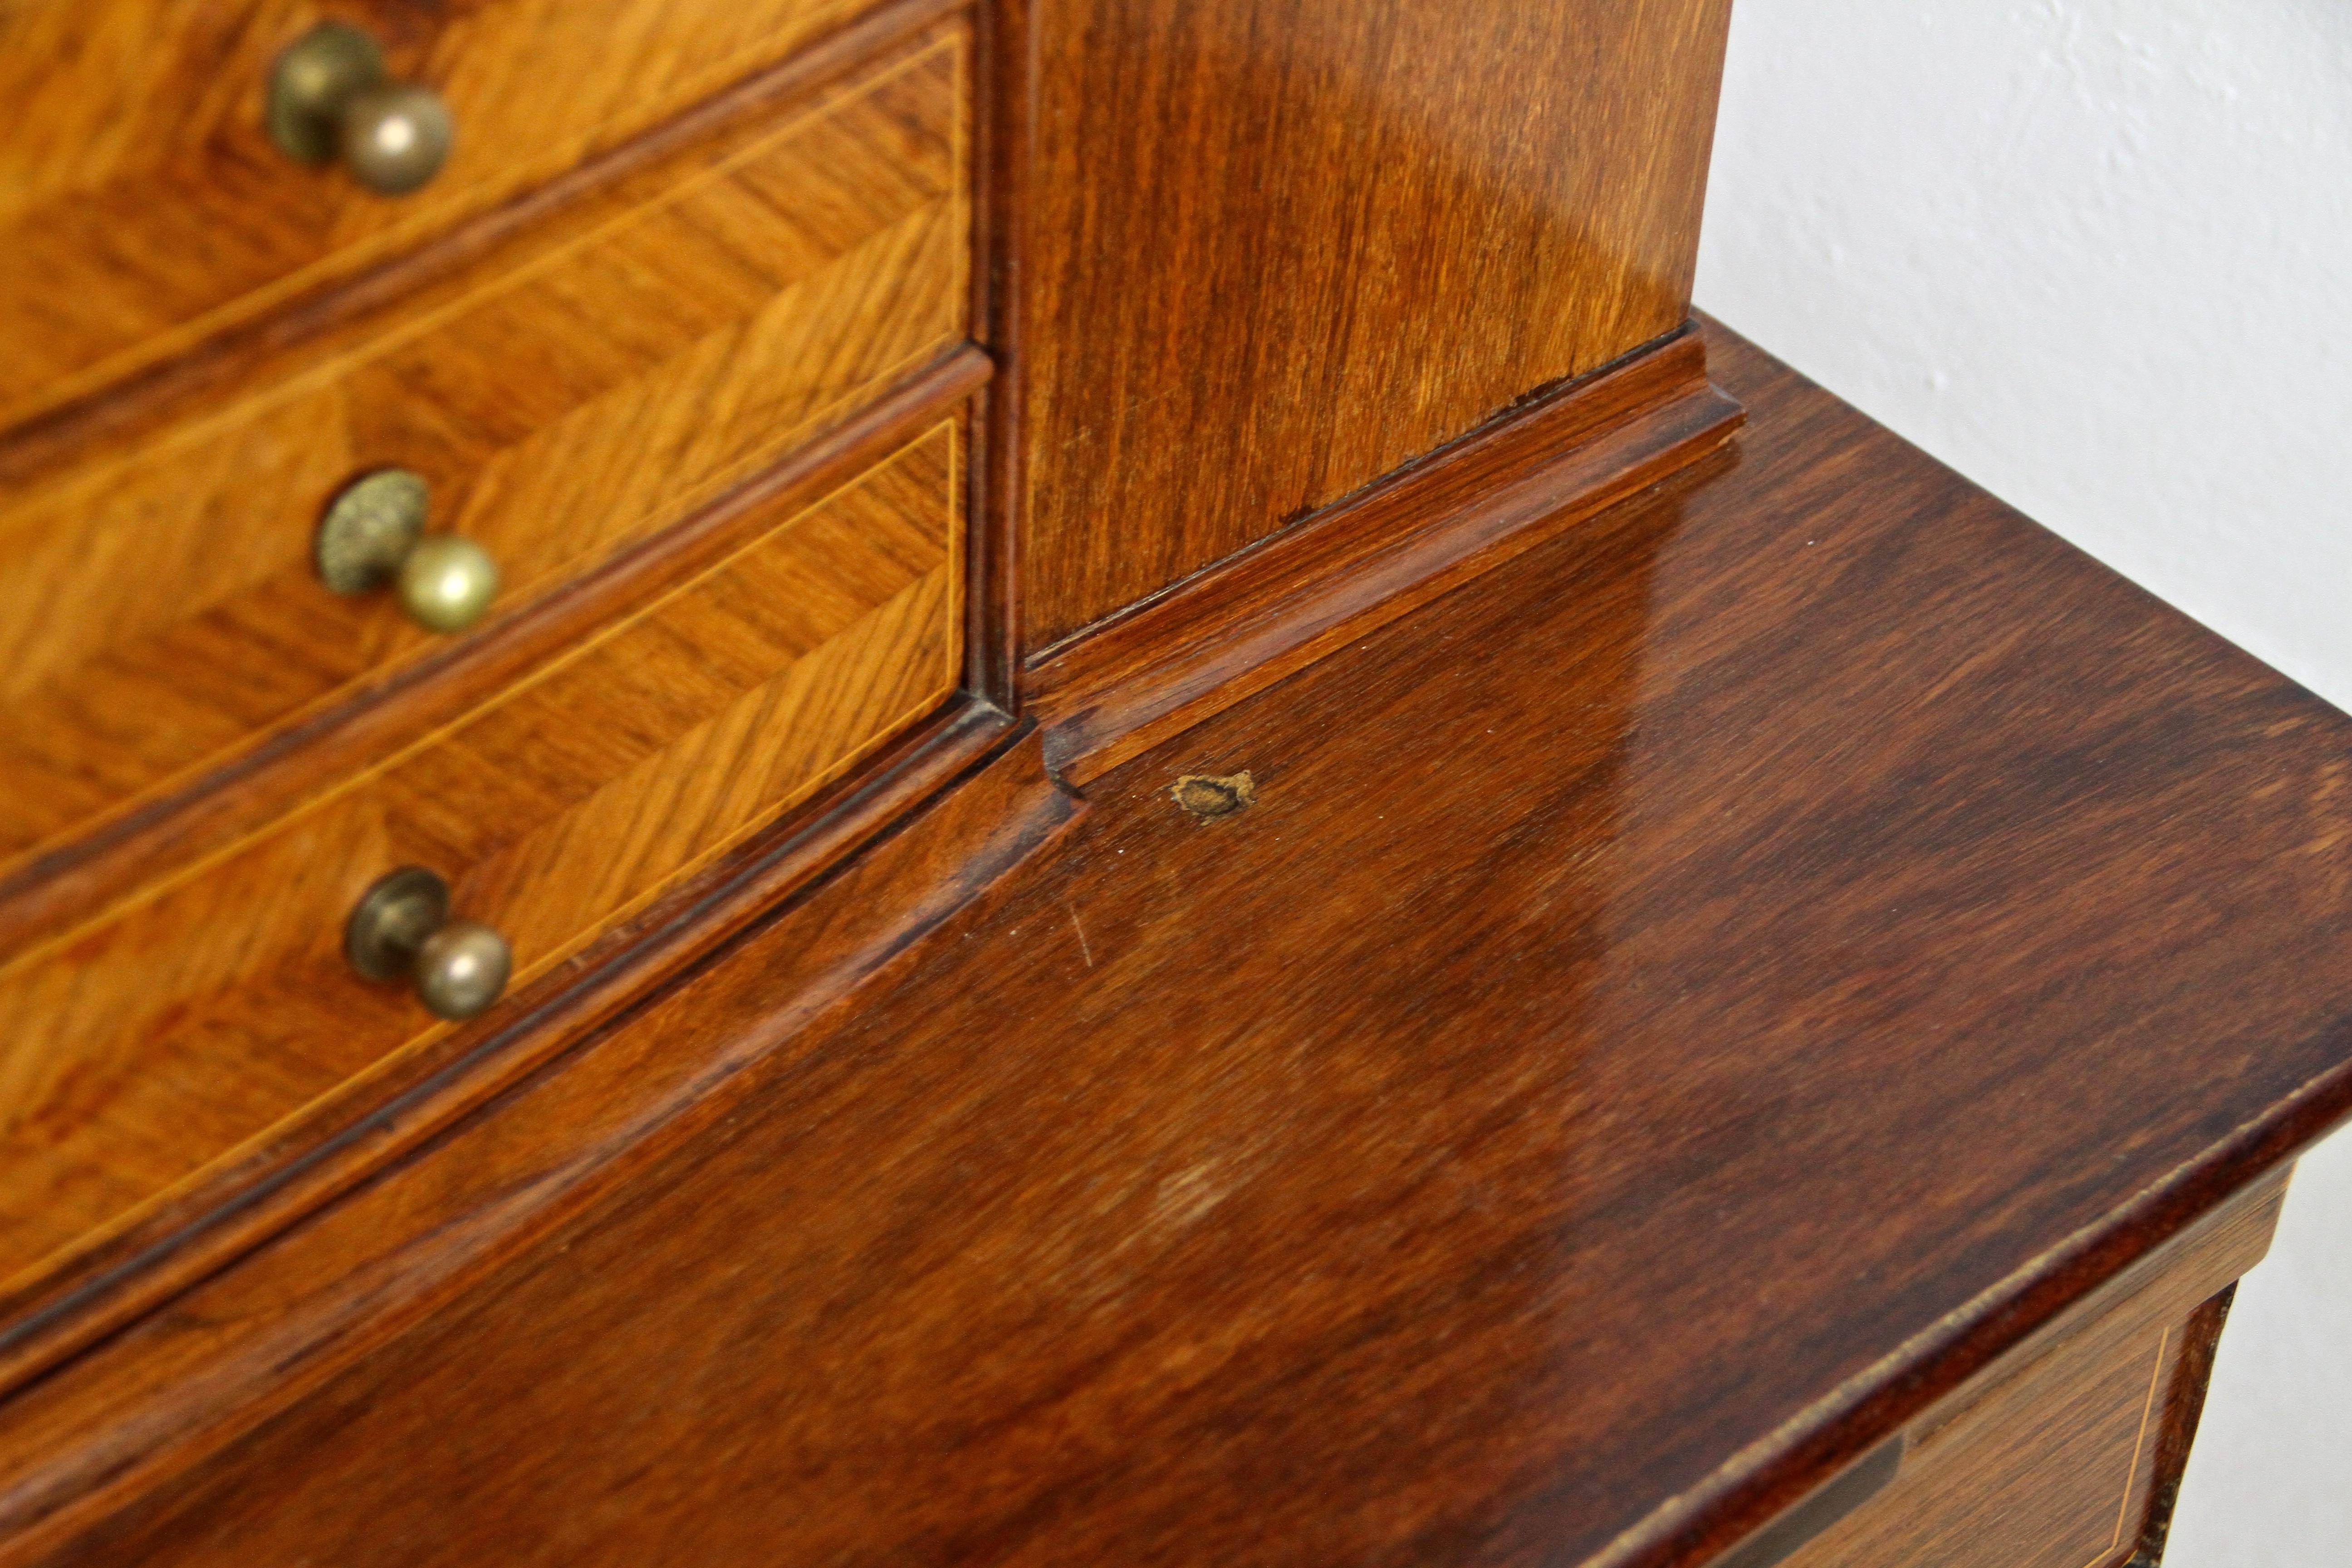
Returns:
<point x="186" y="1022"/>
<point x="142" y="208"/>
<point x="571" y="395"/>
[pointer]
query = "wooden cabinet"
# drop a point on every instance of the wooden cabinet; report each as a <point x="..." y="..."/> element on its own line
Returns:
<point x="703" y="405"/>
<point x="1189" y="834"/>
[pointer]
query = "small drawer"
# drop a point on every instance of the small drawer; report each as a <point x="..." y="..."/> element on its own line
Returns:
<point x="590" y="383"/>
<point x="143" y="204"/>
<point x="183" y="1024"/>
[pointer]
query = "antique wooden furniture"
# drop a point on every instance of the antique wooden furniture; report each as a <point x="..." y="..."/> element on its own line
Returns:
<point x="1064" y="781"/>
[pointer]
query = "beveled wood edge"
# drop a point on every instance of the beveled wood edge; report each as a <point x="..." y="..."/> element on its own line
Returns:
<point x="461" y="1195"/>
<point x="2184" y="1404"/>
<point x="121" y="407"/>
<point x="326" y="1148"/>
<point x="1124" y="684"/>
<point x="2038" y="1308"/>
<point x="2156" y="1294"/>
<point x="63" y="887"/>
<point x="1002" y="142"/>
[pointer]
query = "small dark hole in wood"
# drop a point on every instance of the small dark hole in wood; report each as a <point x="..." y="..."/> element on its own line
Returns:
<point x="1208" y="798"/>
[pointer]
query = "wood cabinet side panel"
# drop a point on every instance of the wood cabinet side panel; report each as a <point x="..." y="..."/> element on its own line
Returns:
<point x="2064" y="1453"/>
<point x="1276" y="248"/>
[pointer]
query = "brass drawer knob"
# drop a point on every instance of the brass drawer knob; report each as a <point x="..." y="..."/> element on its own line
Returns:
<point x="373" y="534"/>
<point x="401" y="927"/>
<point x="331" y="97"/>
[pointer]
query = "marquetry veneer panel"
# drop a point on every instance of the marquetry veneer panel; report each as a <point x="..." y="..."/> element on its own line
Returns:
<point x="589" y="385"/>
<point x="193" y="1019"/>
<point x="141" y="206"/>
<point x="2046" y="1475"/>
<point x="2063" y="1453"/>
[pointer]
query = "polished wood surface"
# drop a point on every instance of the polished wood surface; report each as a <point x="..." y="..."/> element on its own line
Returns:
<point x="593" y="381"/>
<point x="143" y="208"/>
<point x="179" y="1028"/>
<point x="1680" y="1007"/>
<point x="108" y="1426"/>
<point x="1239" y="627"/>
<point x="1274" y="248"/>
<point x="66" y="886"/>
<point x="2184" y="1402"/>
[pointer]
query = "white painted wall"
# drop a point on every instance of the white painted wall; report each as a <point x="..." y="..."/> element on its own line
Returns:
<point x="2097" y="255"/>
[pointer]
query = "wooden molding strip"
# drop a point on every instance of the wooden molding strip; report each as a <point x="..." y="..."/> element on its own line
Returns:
<point x="1006" y="43"/>
<point x="1239" y="627"/>
<point x="2184" y="1404"/>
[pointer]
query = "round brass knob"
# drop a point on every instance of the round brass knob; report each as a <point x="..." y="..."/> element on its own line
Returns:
<point x="446" y="582"/>
<point x="396" y="137"/>
<point x="401" y="928"/>
<point x="373" y="534"/>
<point x="331" y="97"/>
<point x="461" y="969"/>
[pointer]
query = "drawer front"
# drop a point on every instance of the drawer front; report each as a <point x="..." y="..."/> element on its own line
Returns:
<point x="142" y="205"/>
<point x="2044" y="1475"/>
<point x="184" y="1024"/>
<point x="575" y="395"/>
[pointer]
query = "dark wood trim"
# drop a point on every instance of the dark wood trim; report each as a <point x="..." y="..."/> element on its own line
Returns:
<point x="327" y="1150"/>
<point x="475" y="1180"/>
<point x="53" y="889"/>
<point x="2184" y="1404"/>
<point x="1003" y="150"/>
<point x="1127" y="683"/>
<point x="1830" y="1501"/>
<point x="121" y="411"/>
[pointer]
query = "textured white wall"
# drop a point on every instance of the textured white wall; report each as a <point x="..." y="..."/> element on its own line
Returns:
<point x="2097" y="255"/>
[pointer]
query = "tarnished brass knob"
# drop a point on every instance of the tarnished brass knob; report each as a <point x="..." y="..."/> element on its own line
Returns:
<point x="401" y="927"/>
<point x="330" y="98"/>
<point x="373" y="534"/>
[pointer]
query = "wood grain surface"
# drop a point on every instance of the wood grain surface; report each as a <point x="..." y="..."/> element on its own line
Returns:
<point x="2060" y="1455"/>
<point x="585" y="387"/>
<point x="1680" y="1008"/>
<point x="188" y="1022"/>
<point x="74" y="1442"/>
<point x="143" y="208"/>
<point x="2176" y="1432"/>
<point x="1274" y="248"/>
<point x="2043" y="1477"/>
<point x="1241" y="625"/>
<point x="68" y="884"/>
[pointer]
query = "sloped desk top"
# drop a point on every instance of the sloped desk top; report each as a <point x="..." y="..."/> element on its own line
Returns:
<point x="1677" y="1006"/>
